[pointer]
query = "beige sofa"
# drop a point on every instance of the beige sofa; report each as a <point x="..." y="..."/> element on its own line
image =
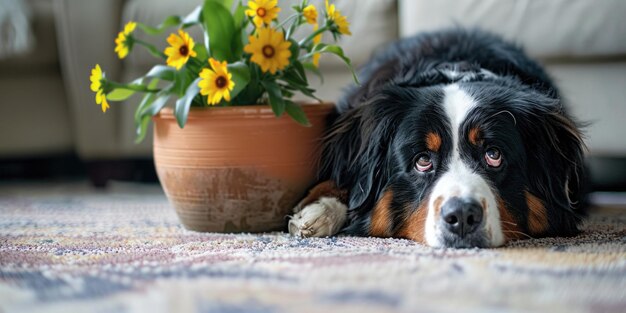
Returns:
<point x="35" y="115"/>
<point x="581" y="42"/>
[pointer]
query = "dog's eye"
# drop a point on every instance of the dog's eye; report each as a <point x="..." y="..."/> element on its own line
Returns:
<point x="423" y="163"/>
<point x="493" y="157"/>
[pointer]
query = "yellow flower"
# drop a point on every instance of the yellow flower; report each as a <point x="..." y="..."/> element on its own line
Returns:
<point x="316" y="56"/>
<point x="180" y="49"/>
<point x="269" y="50"/>
<point x="310" y="14"/>
<point x="334" y="15"/>
<point x="263" y="11"/>
<point x="96" y="86"/>
<point x="129" y="27"/>
<point x="216" y="82"/>
<point x="122" y="44"/>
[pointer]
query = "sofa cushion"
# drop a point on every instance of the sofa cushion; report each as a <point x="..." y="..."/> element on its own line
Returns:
<point x="575" y="28"/>
<point x="44" y="53"/>
<point x="34" y="121"/>
<point x="595" y="93"/>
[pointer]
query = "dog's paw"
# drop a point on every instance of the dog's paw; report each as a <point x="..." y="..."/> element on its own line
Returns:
<point x="322" y="218"/>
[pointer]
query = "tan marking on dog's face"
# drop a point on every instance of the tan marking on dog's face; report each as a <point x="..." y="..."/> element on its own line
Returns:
<point x="510" y="227"/>
<point x="537" y="215"/>
<point x="414" y="225"/>
<point x="433" y="142"/>
<point x="380" y="225"/>
<point x="474" y="136"/>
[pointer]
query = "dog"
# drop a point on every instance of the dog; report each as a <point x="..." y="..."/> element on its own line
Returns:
<point x="454" y="138"/>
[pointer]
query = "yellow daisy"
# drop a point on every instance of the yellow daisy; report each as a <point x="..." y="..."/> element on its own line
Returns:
<point x="96" y="86"/>
<point x="316" y="56"/>
<point x="216" y="82"/>
<point x="180" y="49"/>
<point x="310" y="14"/>
<point x="269" y="50"/>
<point x="339" y="20"/>
<point x="262" y="11"/>
<point x="122" y="42"/>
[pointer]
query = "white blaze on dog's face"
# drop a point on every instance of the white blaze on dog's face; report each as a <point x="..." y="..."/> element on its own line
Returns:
<point x="462" y="208"/>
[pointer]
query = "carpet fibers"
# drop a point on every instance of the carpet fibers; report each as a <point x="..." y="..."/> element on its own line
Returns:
<point x="66" y="248"/>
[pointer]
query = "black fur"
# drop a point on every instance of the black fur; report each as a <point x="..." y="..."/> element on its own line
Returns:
<point x="381" y="124"/>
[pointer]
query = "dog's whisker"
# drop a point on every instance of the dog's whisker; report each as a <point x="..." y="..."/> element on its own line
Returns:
<point x="518" y="232"/>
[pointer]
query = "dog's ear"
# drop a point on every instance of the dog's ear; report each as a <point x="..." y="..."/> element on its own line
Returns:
<point x="555" y="161"/>
<point x="356" y="148"/>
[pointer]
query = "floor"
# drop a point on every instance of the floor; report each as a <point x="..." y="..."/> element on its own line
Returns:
<point x="69" y="248"/>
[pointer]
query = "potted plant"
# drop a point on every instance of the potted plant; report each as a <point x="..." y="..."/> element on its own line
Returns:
<point x="226" y="160"/>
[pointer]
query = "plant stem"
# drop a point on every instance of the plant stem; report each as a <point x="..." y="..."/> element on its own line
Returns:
<point x="308" y="39"/>
<point x="287" y="20"/>
<point x="151" y="49"/>
<point x="135" y="87"/>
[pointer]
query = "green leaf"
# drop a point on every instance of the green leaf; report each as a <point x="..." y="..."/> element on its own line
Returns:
<point x="292" y="77"/>
<point x="182" y="105"/>
<point x="162" y="72"/>
<point x="220" y="27"/>
<point x="203" y="55"/>
<point x="228" y="4"/>
<point x="296" y="113"/>
<point x="336" y="50"/>
<point x="138" y="81"/>
<point x="295" y="82"/>
<point x="182" y="79"/>
<point x="241" y="77"/>
<point x="150" y="105"/>
<point x="237" y="44"/>
<point x="155" y="52"/>
<point x="309" y="92"/>
<point x="170" y="21"/>
<point x="239" y="18"/>
<point x="295" y="51"/>
<point x="312" y="68"/>
<point x="276" y="97"/>
<point x="297" y="65"/>
<point x="119" y="94"/>
<point x="193" y="18"/>
<point x="142" y="128"/>
<point x="146" y="101"/>
<point x="156" y="106"/>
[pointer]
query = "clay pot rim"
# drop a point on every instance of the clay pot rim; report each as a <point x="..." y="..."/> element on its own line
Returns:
<point x="248" y="110"/>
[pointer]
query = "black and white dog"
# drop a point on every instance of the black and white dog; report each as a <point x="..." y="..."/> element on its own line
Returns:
<point x="454" y="139"/>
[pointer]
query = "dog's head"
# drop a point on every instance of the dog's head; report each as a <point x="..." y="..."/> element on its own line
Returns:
<point x="472" y="163"/>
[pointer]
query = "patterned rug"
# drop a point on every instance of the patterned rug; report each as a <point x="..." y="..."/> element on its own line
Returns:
<point x="66" y="248"/>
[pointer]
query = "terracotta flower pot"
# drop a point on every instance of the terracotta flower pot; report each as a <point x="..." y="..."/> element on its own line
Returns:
<point x="236" y="169"/>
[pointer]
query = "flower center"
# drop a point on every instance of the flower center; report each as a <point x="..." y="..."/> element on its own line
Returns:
<point x="261" y="12"/>
<point x="184" y="50"/>
<point x="220" y="82"/>
<point x="268" y="51"/>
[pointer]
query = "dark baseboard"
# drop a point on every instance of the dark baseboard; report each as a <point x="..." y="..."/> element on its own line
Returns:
<point x="71" y="167"/>
<point x="135" y="170"/>
<point x="55" y="166"/>
<point x="607" y="173"/>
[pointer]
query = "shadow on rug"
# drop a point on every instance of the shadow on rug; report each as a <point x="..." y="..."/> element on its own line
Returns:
<point x="66" y="248"/>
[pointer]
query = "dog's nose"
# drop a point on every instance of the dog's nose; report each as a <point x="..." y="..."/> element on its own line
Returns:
<point x="461" y="216"/>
